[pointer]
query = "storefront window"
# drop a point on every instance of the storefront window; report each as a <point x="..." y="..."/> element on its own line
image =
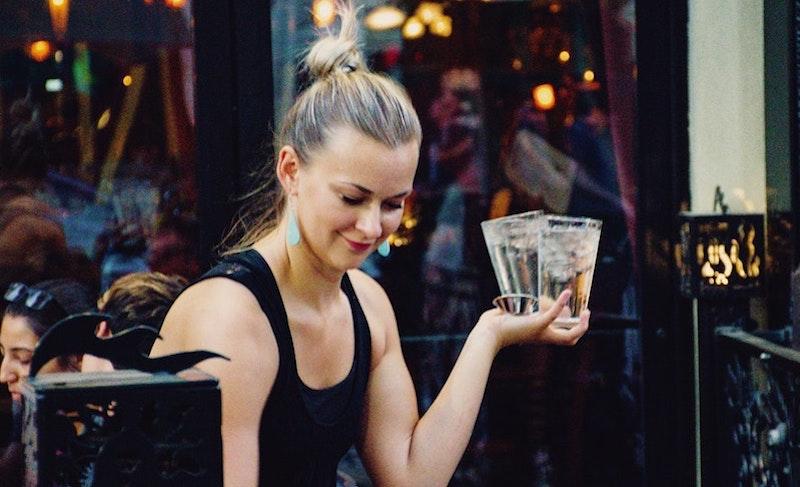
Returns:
<point x="524" y="105"/>
<point x="96" y="119"/>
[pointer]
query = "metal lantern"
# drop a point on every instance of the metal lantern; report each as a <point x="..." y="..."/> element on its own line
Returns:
<point x="126" y="427"/>
<point x="721" y="256"/>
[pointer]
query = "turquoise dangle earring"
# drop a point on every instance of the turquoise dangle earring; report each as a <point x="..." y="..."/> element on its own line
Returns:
<point x="292" y="230"/>
<point x="383" y="249"/>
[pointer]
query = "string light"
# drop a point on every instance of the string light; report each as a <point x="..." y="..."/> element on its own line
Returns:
<point x="40" y="50"/>
<point x="384" y="17"/>
<point x="544" y="97"/>
<point x="442" y="26"/>
<point x="413" y="28"/>
<point x="324" y="12"/>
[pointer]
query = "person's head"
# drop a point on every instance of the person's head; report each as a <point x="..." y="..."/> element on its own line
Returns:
<point x="141" y="298"/>
<point x="346" y="153"/>
<point x="30" y="312"/>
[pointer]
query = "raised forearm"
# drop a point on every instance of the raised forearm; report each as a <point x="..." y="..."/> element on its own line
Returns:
<point x="441" y="435"/>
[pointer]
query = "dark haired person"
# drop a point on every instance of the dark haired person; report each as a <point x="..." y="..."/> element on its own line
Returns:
<point x="29" y="312"/>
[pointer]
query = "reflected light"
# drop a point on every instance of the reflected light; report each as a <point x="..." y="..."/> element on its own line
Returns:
<point x="563" y="56"/>
<point x="176" y="4"/>
<point x="413" y="28"/>
<point x="428" y="12"/>
<point x="588" y="75"/>
<point x="59" y="16"/>
<point x="59" y="56"/>
<point x="40" y="50"/>
<point x="105" y="117"/>
<point x="442" y="26"/>
<point x="516" y="64"/>
<point x="127" y="80"/>
<point x="324" y="12"/>
<point x="384" y="18"/>
<point x="555" y="8"/>
<point x="544" y="97"/>
<point x="53" y="85"/>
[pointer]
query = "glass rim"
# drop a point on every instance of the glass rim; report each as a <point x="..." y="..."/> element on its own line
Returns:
<point x="514" y="217"/>
<point x="584" y="220"/>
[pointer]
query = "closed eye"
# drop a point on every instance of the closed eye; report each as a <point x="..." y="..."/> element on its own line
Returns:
<point x="352" y="201"/>
<point x="393" y="205"/>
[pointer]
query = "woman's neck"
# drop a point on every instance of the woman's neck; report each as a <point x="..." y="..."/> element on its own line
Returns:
<point x="298" y="271"/>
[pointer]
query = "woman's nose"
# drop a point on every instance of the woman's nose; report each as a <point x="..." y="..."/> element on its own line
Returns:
<point x="369" y="223"/>
<point x="7" y="375"/>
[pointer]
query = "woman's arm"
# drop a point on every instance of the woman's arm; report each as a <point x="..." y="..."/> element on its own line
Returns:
<point x="398" y="447"/>
<point x="222" y="316"/>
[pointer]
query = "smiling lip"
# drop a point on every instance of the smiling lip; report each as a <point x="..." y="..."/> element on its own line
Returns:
<point x="357" y="247"/>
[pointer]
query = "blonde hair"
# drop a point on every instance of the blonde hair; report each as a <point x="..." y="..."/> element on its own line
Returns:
<point x="343" y="92"/>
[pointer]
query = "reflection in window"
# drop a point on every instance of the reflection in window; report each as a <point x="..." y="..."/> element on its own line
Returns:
<point x="96" y="118"/>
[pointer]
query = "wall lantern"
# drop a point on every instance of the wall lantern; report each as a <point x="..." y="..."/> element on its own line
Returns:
<point x="721" y="255"/>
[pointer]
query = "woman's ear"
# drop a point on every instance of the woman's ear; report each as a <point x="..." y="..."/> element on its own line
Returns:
<point x="288" y="169"/>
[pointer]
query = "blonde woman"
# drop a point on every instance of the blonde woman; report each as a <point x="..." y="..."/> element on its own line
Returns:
<point x="315" y="354"/>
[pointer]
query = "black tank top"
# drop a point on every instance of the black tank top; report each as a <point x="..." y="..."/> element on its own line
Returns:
<point x="304" y="432"/>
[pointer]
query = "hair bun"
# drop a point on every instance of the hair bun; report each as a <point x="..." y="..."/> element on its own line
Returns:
<point x="337" y="54"/>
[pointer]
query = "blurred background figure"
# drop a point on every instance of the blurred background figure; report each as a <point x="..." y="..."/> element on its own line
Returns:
<point x="33" y="245"/>
<point x="142" y="298"/>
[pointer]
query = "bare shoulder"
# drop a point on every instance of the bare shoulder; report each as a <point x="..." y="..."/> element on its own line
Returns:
<point x="378" y="310"/>
<point x="219" y="313"/>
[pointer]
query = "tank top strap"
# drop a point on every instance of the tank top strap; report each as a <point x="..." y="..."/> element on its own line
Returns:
<point x="249" y="269"/>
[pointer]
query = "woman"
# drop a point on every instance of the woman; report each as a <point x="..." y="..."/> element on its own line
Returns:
<point x="31" y="311"/>
<point x="315" y="353"/>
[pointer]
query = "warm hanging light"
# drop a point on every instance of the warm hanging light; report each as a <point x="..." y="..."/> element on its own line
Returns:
<point x="175" y="4"/>
<point x="59" y="16"/>
<point x="384" y="17"/>
<point x="442" y="26"/>
<point x="563" y="56"/>
<point x="588" y="76"/>
<point x="127" y="80"/>
<point x="324" y="12"/>
<point x="105" y="117"/>
<point x="555" y="8"/>
<point x="428" y="12"/>
<point x="40" y="50"/>
<point x="516" y="64"/>
<point x="413" y="28"/>
<point x="544" y="97"/>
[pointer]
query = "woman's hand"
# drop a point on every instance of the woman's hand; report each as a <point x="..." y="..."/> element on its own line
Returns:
<point x="538" y="327"/>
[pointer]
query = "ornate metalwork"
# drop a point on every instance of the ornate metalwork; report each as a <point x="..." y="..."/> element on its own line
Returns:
<point x="759" y="396"/>
<point x="126" y="428"/>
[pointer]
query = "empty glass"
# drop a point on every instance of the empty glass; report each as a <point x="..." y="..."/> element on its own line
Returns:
<point x="567" y="253"/>
<point x="513" y="243"/>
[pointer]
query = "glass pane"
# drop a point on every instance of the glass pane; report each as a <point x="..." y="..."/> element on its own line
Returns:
<point x="524" y="105"/>
<point x="96" y="110"/>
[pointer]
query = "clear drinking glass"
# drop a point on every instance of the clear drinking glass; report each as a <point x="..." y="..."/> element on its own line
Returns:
<point x="513" y="243"/>
<point x="567" y="253"/>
